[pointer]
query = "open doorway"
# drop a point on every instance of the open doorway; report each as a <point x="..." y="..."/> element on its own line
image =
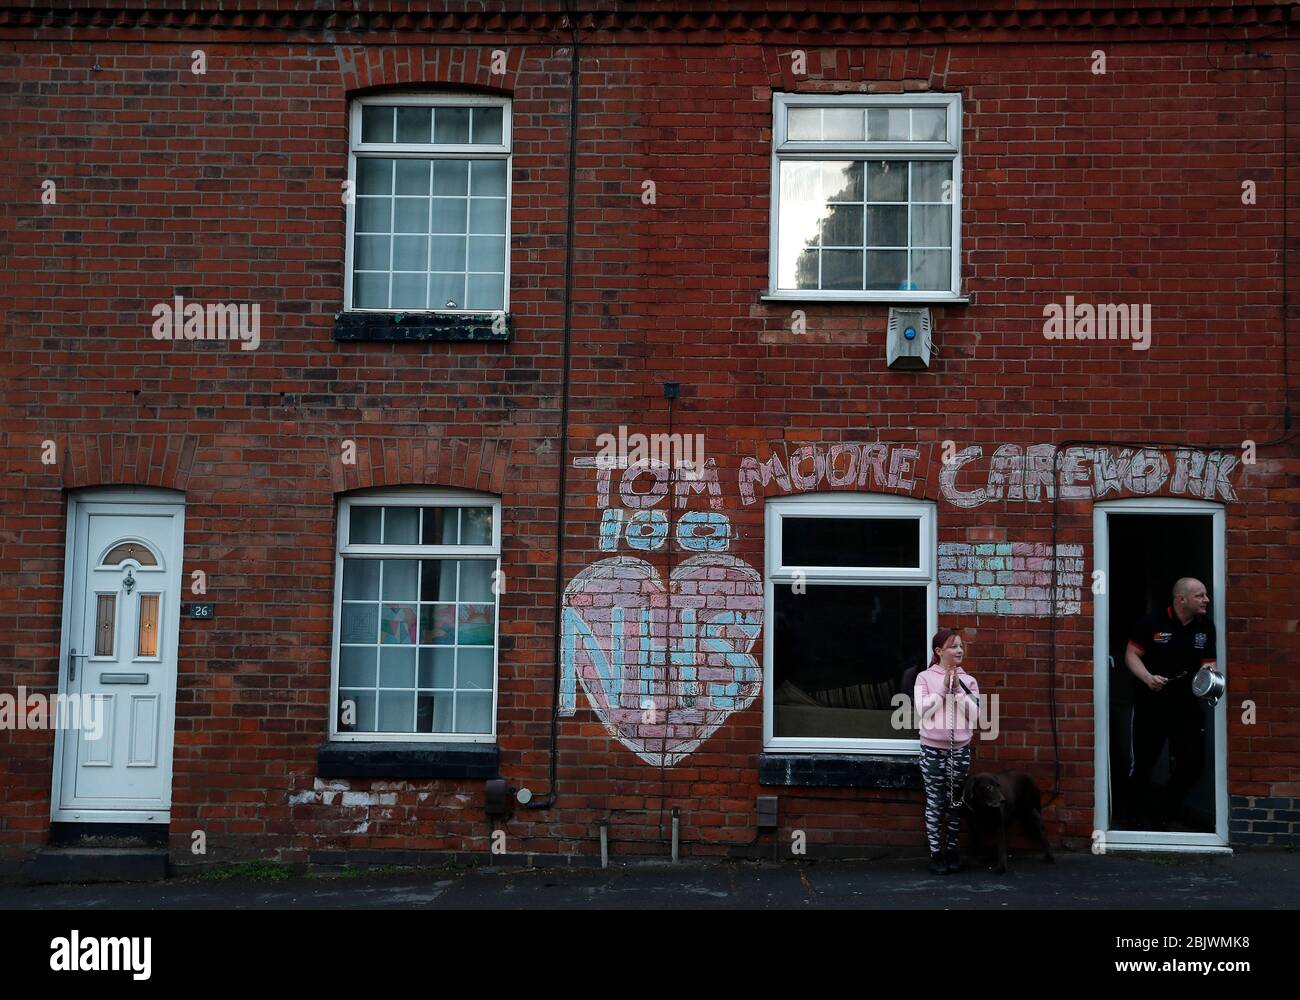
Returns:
<point x="1168" y="789"/>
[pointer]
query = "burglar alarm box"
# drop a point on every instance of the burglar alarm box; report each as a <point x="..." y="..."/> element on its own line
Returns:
<point x="908" y="340"/>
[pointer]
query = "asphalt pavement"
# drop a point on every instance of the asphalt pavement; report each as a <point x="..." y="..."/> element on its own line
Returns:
<point x="1246" y="880"/>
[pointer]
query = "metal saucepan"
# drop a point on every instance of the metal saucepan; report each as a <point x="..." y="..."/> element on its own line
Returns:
<point x="1208" y="685"/>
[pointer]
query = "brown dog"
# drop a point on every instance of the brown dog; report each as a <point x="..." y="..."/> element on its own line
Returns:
<point x="996" y="801"/>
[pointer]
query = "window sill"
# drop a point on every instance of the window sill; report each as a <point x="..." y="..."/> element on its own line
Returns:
<point x="832" y="770"/>
<point x="419" y="326"/>
<point x="938" y="298"/>
<point x="407" y="760"/>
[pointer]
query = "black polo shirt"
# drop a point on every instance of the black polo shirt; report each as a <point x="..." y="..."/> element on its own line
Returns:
<point x="1170" y="648"/>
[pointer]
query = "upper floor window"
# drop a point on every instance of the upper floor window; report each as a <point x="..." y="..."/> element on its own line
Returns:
<point x="416" y="616"/>
<point x="429" y="220"/>
<point x="866" y="197"/>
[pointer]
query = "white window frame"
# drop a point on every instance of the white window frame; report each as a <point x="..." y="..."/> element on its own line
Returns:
<point x="787" y="149"/>
<point x="843" y="504"/>
<point x="403" y="497"/>
<point x="432" y="151"/>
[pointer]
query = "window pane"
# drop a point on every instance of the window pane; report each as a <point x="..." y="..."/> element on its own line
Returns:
<point x="842" y="180"/>
<point x="801" y="180"/>
<point x="932" y="269"/>
<point x="360" y="623"/>
<point x="438" y="667"/>
<point x="447" y="291"/>
<point x="437" y="624"/>
<point x="357" y="666"/>
<point x="888" y="124"/>
<point x="396" y="711"/>
<point x="887" y="225"/>
<point x="928" y="177"/>
<point x="487" y="178"/>
<point x="842" y="227"/>
<point x="474" y="713"/>
<point x="440" y="526"/>
<point x="931" y="226"/>
<point x="451" y="124"/>
<point x="449" y="215"/>
<point x="147" y="640"/>
<point x="413" y="124"/>
<point x="360" y="579"/>
<point x="487" y="125"/>
<point x="887" y="180"/>
<point x="435" y="713"/>
<point x="376" y="123"/>
<point x="487" y="215"/>
<point x="364" y="526"/>
<point x="844" y="124"/>
<point x="450" y="177"/>
<point x="374" y="176"/>
<point x="105" y="623"/>
<point x="412" y="177"/>
<point x="372" y="253"/>
<point x="447" y="253"/>
<point x="370" y="291"/>
<point x="397" y="625"/>
<point x="438" y="579"/>
<point x="842" y="269"/>
<point x="475" y="625"/>
<point x="127" y="551"/>
<point x="474" y="669"/>
<point x="476" y="579"/>
<point x="929" y="124"/>
<point x="835" y="682"/>
<point x="409" y="291"/>
<point x="476" y="526"/>
<point x="887" y="269"/>
<point x="401" y="525"/>
<point x="487" y="253"/>
<point x="397" y="667"/>
<point x="804" y="124"/>
<point x="411" y="215"/>
<point x="485" y="291"/>
<point x="400" y="577"/>
<point x="411" y="253"/>
<point x="362" y="705"/>
<point x="851" y="541"/>
<point x="374" y="215"/>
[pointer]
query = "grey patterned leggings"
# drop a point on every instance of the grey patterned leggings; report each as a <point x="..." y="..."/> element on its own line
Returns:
<point x="941" y="788"/>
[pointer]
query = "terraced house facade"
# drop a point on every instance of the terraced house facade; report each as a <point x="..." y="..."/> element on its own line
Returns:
<point x="434" y="430"/>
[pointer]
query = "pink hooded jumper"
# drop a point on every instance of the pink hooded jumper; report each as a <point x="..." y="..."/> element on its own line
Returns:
<point x="945" y="720"/>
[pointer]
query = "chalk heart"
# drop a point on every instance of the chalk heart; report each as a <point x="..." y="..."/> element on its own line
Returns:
<point x="663" y="668"/>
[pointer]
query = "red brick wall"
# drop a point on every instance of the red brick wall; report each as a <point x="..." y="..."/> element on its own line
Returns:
<point x="1123" y="187"/>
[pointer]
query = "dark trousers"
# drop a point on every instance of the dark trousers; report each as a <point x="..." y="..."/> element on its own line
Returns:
<point x="1176" y="718"/>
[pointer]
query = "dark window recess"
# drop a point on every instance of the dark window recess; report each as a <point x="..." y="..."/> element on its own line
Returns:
<point x="823" y="770"/>
<point x="831" y="681"/>
<point x="416" y="326"/>
<point x="407" y="760"/>
<point x="851" y="541"/>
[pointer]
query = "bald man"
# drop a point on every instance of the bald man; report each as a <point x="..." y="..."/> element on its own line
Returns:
<point x="1165" y="649"/>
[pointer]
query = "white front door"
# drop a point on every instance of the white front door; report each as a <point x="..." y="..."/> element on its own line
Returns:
<point x="120" y="630"/>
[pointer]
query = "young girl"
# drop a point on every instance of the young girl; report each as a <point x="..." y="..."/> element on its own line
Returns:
<point x="948" y="701"/>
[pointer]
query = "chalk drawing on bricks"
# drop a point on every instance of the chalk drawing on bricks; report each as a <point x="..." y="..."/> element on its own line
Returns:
<point x="662" y="667"/>
<point x="1008" y="578"/>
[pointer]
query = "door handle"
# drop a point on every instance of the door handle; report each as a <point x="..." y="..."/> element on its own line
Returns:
<point x="72" y="664"/>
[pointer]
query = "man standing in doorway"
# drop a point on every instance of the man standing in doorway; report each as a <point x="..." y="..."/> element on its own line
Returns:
<point x="1165" y="649"/>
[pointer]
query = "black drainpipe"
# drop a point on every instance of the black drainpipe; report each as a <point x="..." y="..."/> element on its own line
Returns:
<point x="552" y="795"/>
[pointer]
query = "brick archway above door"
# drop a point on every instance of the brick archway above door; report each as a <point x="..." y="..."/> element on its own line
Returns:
<point x="163" y="460"/>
